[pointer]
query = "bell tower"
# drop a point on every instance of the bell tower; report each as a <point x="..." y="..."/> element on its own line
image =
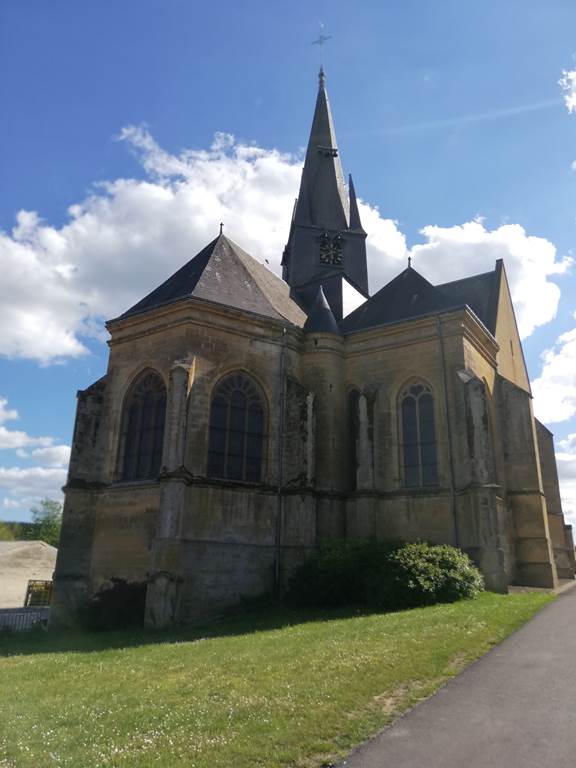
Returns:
<point x="327" y="244"/>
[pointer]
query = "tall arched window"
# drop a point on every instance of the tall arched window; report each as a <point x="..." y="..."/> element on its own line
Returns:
<point x="418" y="436"/>
<point x="353" y="436"/>
<point x="237" y="430"/>
<point x="143" y="428"/>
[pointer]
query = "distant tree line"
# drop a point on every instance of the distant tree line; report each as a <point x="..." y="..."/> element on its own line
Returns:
<point x="45" y="525"/>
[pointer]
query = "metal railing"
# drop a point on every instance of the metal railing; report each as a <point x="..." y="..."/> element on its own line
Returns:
<point x="23" y="619"/>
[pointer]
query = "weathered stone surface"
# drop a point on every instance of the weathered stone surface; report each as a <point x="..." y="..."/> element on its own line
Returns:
<point x="328" y="472"/>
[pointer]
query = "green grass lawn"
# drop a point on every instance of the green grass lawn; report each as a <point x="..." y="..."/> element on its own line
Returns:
<point x="269" y="689"/>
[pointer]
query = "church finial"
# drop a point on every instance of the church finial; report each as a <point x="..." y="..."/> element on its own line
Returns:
<point x="321" y="77"/>
<point x="409" y="262"/>
<point x="221" y="227"/>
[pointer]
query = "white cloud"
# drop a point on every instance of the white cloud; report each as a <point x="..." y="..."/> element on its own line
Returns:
<point x="6" y="414"/>
<point x="37" y="482"/>
<point x="24" y="486"/>
<point x="15" y="440"/>
<point x="52" y="456"/>
<point x="566" y="463"/>
<point x="11" y="439"/>
<point x="568" y="85"/>
<point x="460" y="251"/>
<point x="129" y="235"/>
<point x="555" y="389"/>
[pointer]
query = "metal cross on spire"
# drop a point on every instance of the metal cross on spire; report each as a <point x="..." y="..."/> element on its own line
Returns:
<point x="320" y="41"/>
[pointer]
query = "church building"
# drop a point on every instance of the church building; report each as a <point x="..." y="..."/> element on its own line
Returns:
<point x="245" y="419"/>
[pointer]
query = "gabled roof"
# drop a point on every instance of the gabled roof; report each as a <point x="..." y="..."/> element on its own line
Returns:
<point x="480" y="292"/>
<point x="410" y="295"/>
<point x="225" y="274"/>
<point x="406" y="296"/>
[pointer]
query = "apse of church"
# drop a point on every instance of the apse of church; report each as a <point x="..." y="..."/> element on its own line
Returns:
<point x="245" y="420"/>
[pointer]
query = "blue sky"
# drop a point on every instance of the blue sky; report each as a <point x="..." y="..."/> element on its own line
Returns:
<point x="449" y="115"/>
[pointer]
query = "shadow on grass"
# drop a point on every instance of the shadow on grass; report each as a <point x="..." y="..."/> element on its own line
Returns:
<point x="259" y="618"/>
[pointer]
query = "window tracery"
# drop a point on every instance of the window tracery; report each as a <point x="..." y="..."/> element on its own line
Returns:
<point x="237" y="430"/>
<point x="418" y="436"/>
<point x="142" y="433"/>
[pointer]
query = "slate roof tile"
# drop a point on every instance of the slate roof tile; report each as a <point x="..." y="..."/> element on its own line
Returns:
<point x="409" y="295"/>
<point x="225" y="274"/>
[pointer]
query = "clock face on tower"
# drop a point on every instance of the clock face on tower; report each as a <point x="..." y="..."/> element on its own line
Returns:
<point x="330" y="250"/>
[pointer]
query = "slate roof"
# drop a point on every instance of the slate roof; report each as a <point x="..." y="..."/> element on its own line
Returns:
<point x="409" y="295"/>
<point x="406" y="296"/>
<point x="225" y="274"/>
<point x="321" y="318"/>
<point x="322" y="200"/>
<point x="480" y="292"/>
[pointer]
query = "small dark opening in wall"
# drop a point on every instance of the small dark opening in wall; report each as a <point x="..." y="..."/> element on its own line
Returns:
<point x="119" y="605"/>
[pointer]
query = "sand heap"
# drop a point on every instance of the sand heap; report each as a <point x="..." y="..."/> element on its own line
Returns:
<point x="19" y="562"/>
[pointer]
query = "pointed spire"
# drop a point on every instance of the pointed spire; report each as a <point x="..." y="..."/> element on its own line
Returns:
<point x="321" y="318"/>
<point x="322" y="200"/>
<point x="326" y="244"/>
<point x="355" y="222"/>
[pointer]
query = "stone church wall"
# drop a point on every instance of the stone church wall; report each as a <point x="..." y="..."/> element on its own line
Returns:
<point x="206" y="544"/>
<point x="535" y="563"/>
<point x="559" y="532"/>
<point x="124" y="528"/>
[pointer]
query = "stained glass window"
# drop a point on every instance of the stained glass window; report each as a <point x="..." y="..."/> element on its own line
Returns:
<point x="418" y="437"/>
<point x="237" y="431"/>
<point x="142" y="432"/>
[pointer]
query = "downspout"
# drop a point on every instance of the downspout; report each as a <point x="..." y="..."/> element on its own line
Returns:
<point x="279" y="496"/>
<point x="449" y="433"/>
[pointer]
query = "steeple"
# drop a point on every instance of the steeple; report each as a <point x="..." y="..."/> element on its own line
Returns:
<point x="326" y="244"/>
<point x="322" y="200"/>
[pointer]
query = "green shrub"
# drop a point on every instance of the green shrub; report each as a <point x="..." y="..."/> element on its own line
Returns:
<point x="387" y="576"/>
<point x="337" y="574"/>
<point x="423" y="574"/>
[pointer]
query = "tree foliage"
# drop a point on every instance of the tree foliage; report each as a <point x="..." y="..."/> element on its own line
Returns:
<point x="46" y="522"/>
<point x="6" y="531"/>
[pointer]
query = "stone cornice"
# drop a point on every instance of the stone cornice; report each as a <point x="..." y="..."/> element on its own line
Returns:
<point x="460" y="322"/>
<point x="206" y="315"/>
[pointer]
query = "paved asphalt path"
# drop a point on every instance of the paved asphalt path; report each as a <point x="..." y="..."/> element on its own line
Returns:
<point x="514" y="708"/>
